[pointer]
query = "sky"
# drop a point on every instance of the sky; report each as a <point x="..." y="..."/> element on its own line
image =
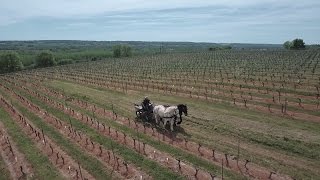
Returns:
<point x="223" y="21"/>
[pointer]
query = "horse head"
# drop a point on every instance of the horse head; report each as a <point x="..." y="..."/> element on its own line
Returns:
<point x="182" y="109"/>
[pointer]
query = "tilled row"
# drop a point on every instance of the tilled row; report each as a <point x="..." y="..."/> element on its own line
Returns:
<point x="218" y="158"/>
<point x="17" y="165"/>
<point x="107" y="157"/>
<point x="148" y="151"/>
<point x="61" y="160"/>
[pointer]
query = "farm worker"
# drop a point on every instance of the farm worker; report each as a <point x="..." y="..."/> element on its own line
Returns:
<point x="146" y="104"/>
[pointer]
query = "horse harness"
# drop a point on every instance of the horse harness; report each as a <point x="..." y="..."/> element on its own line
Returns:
<point x="173" y="116"/>
<point x="174" y="120"/>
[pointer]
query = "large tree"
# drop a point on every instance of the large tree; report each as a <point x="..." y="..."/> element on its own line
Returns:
<point x="45" y="59"/>
<point x="10" y="62"/>
<point x="295" y="44"/>
<point x="298" y="44"/>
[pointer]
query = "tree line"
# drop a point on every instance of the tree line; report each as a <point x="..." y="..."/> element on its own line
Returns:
<point x="217" y="48"/>
<point x="11" y="61"/>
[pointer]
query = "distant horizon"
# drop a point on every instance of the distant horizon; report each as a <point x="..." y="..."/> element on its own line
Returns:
<point x="144" y="41"/>
<point x="161" y="41"/>
<point x="239" y="21"/>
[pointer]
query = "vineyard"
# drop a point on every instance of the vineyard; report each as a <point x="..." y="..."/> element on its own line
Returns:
<point x="252" y="115"/>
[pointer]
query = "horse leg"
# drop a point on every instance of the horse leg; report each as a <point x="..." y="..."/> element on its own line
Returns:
<point x="175" y="121"/>
<point x="157" y="118"/>
<point x="164" y="123"/>
<point x="171" y="124"/>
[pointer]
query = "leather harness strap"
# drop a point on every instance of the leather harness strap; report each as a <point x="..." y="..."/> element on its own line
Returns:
<point x="168" y="117"/>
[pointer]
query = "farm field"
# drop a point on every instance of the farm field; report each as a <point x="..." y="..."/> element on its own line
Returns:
<point x="251" y="115"/>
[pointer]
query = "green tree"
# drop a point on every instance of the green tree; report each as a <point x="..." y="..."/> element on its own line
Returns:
<point x="295" y="44"/>
<point x="122" y="51"/>
<point x="298" y="44"/>
<point x="126" y="51"/>
<point x="287" y="45"/>
<point x="45" y="59"/>
<point x="10" y="62"/>
<point x="116" y="51"/>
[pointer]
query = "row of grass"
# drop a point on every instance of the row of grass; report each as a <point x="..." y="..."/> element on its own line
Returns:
<point x="149" y="166"/>
<point x="42" y="167"/>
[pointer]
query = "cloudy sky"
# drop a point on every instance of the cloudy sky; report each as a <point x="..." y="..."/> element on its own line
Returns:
<point x="224" y="21"/>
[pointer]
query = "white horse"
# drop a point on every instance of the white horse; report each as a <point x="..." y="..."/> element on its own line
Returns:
<point x="169" y="114"/>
